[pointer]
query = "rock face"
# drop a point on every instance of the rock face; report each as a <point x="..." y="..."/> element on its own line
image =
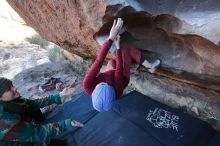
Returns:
<point x="28" y="81"/>
<point x="71" y="25"/>
<point x="156" y="36"/>
<point x="190" y="53"/>
<point x="65" y="23"/>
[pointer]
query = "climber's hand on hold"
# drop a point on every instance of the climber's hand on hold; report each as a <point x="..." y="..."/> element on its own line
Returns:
<point x="116" y="27"/>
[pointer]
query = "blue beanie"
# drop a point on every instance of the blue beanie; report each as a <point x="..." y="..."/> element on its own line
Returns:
<point x="103" y="97"/>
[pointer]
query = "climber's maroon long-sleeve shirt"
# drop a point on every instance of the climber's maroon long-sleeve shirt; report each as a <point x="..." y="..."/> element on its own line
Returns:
<point x="114" y="78"/>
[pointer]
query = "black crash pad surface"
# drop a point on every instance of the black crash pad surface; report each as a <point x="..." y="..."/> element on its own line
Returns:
<point x="135" y="120"/>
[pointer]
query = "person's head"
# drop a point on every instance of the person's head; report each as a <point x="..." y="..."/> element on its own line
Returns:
<point x="7" y="91"/>
<point x="103" y="97"/>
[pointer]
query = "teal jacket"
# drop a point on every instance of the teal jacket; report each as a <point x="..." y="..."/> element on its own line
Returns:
<point x="15" y="131"/>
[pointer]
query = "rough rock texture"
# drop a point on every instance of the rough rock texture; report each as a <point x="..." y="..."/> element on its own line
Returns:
<point x="65" y="22"/>
<point x="190" y="53"/>
<point x="180" y="53"/>
<point x="71" y="24"/>
<point x="28" y="81"/>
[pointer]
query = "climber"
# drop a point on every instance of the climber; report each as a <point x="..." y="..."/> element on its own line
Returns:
<point x="20" y="117"/>
<point x="107" y="86"/>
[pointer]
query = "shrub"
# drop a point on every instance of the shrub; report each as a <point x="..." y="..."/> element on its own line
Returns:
<point x="55" y="53"/>
<point x="79" y="65"/>
<point x="37" y="39"/>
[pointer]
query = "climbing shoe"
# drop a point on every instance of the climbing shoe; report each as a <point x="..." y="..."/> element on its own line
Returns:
<point x="154" y="66"/>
